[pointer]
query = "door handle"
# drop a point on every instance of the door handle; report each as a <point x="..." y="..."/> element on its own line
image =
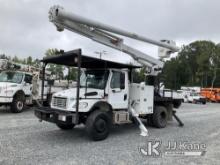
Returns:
<point x="125" y="97"/>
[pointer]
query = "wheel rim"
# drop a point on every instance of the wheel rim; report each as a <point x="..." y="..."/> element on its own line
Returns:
<point x="20" y="105"/>
<point x="100" y="125"/>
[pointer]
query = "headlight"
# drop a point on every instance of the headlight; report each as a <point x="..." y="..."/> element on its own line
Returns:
<point x="82" y="105"/>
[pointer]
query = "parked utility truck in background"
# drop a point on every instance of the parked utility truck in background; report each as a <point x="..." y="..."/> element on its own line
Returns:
<point x="20" y="85"/>
<point x="193" y="95"/>
<point x="105" y="92"/>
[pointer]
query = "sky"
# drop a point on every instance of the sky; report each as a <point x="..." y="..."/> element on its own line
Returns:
<point x="25" y="29"/>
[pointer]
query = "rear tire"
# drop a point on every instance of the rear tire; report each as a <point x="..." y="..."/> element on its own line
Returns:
<point x="65" y="126"/>
<point x="98" y="125"/>
<point x="18" y="103"/>
<point x="160" y="117"/>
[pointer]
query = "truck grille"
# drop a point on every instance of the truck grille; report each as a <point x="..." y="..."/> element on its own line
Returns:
<point x="59" y="102"/>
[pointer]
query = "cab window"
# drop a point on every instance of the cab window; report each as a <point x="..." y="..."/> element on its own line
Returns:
<point x="28" y="79"/>
<point x="118" y="80"/>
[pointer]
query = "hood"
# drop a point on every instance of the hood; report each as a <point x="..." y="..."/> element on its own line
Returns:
<point x="7" y="84"/>
<point x="71" y="93"/>
<point x="10" y="87"/>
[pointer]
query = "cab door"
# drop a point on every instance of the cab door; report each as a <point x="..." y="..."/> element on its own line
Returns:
<point x="27" y="84"/>
<point x="118" y="90"/>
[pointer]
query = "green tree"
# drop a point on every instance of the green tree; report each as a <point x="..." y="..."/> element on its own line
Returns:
<point x="29" y="60"/>
<point x="36" y="63"/>
<point x="16" y="59"/>
<point x="72" y="74"/>
<point x="195" y="65"/>
<point x="56" y="70"/>
<point x="139" y="75"/>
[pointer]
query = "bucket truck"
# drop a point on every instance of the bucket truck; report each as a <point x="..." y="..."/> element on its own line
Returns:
<point x="105" y="92"/>
<point x="20" y="85"/>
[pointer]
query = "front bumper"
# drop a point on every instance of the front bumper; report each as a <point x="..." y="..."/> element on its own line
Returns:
<point x="5" y="100"/>
<point x="55" y="116"/>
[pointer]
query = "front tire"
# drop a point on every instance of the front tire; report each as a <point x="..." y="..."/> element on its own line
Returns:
<point x="160" y="117"/>
<point x="18" y="104"/>
<point x="98" y="125"/>
<point x="65" y="126"/>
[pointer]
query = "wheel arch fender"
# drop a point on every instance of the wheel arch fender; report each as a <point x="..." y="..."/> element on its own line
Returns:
<point x="102" y="105"/>
<point x="19" y="93"/>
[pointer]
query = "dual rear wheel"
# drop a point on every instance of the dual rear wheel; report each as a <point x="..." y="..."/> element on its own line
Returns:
<point x="159" y="118"/>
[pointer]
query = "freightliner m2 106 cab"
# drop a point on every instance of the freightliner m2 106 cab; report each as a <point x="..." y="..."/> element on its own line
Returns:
<point x="15" y="86"/>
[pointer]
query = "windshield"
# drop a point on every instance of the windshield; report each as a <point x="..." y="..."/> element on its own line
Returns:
<point x="12" y="77"/>
<point x="94" y="79"/>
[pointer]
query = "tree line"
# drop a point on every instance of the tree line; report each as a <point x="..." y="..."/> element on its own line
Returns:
<point x="197" y="64"/>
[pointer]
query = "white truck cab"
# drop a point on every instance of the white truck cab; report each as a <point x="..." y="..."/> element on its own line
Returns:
<point x="194" y="97"/>
<point x="20" y="88"/>
<point x="95" y="85"/>
<point x="15" y="86"/>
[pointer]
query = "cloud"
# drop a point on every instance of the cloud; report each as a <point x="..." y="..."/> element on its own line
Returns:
<point x="26" y="31"/>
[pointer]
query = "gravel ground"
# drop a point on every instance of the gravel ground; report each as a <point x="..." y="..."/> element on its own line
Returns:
<point x="24" y="140"/>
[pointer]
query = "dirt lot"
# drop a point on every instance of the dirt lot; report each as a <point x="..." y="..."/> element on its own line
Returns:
<point x="24" y="140"/>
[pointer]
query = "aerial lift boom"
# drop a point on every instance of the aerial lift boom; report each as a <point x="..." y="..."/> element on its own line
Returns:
<point x="102" y="33"/>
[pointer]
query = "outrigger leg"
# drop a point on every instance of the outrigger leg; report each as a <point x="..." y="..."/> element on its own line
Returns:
<point x="178" y="119"/>
<point x="144" y="131"/>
